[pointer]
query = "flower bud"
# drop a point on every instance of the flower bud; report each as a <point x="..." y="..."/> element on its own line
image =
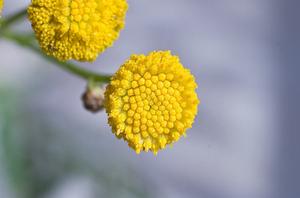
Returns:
<point x="93" y="98"/>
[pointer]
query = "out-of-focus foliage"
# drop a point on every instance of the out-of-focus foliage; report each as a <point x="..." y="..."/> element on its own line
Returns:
<point x="34" y="168"/>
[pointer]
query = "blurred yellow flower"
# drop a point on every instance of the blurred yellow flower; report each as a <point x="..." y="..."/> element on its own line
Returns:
<point x="1" y="5"/>
<point x="151" y="101"/>
<point x="77" y="29"/>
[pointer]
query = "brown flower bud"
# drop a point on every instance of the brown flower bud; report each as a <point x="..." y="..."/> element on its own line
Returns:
<point x="93" y="98"/>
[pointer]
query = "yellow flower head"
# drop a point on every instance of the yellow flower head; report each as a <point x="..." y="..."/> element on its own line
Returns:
<point x="151" y="101"/>
<point x="1" y="5"/>
<point x="77" y="29"/>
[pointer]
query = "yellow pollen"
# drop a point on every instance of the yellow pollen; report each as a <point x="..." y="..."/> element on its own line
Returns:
<point x="159" y="105"/>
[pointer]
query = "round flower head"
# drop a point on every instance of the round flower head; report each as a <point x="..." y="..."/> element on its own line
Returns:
<point x="151" y="101"/>
<point x="77" y="29"/>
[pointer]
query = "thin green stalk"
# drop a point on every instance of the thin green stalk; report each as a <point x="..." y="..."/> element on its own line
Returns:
<point x="5" y="23"/>
<point x="25" y="41"/>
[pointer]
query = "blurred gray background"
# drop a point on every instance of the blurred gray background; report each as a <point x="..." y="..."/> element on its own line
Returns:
<point x="244" y="142"/>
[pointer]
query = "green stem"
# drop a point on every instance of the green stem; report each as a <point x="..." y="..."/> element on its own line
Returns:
<point x="12" y="19"/>
<point x="28" y="42"/>
<point x="25" y="41"/>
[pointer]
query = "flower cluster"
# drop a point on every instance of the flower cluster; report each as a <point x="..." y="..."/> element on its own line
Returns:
<point x="151" y="101"/>
<point x="78" y="29"/>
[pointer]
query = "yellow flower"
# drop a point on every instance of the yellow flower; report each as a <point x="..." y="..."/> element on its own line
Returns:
<point x="77" y="29"/>
<point x="1" y="5"/>
<point x="151" y="101"/>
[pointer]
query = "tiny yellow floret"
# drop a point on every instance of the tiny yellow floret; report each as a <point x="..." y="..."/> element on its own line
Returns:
<point x="76" y="29"/>
<point x="151" y="101"/>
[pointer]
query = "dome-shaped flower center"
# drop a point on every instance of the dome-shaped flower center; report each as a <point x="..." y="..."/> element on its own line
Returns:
<point x="151" y="101"/>
<point x="78" y="29"/>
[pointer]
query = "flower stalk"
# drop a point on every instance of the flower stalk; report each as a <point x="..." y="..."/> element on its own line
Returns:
<point x="28" y="41"/>
<point x="13" y="18"/>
